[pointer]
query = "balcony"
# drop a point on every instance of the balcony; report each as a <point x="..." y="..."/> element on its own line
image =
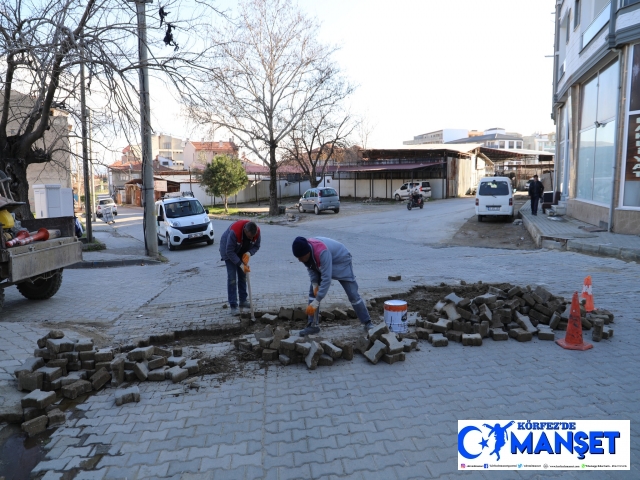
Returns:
<point x="600" y="21"/>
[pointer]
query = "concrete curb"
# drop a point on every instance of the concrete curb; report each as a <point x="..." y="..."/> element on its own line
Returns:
<point x="576" y="245"/>
<point x="114" y="263"/>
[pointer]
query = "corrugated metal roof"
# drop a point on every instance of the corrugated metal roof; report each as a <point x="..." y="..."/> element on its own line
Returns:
<point x="483" y="138"/>
<point x="517" y="152"/>
<point x="460" y="148"/>
<point x="381" y="167"/>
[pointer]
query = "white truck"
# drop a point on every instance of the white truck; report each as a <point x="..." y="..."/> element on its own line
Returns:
<point x="36" y="268"/>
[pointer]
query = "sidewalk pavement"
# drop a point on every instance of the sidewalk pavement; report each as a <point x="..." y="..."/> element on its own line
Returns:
<point x="121" y="250"/>
<point x="566" y="233"/>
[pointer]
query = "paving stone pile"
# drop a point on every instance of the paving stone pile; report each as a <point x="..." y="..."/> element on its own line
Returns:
<point x="506" y="312"/>
<point x="313" y="350"/>
<point x="294" y="314"/>
<point x="69" y="368"/>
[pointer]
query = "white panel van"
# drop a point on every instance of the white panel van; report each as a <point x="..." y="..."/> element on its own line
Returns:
<point x="494" y="197"/>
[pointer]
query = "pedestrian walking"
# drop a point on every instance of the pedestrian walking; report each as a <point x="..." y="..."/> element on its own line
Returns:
<point x="327" y="259"/>
<point x="238" y="243"/>
<point x="536" y="189"/>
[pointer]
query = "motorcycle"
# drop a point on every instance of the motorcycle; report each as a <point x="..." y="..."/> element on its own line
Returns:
<point x="415" y="200"/>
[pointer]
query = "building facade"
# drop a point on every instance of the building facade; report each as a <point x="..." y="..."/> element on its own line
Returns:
<point x="596" y="107"/>
<point x="201" y="153"/>
<point x="162" y="145"/>
<point x="542" y="142"/>
<point x="438" y="137"/>
<point x="493" y="138"/>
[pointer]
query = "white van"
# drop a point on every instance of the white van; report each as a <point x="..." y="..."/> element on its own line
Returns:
<point x="183" y="221"/>
<point x="494" y="197"/>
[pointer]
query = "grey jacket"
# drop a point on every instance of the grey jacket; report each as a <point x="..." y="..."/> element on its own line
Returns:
<point x="334" y="263"/>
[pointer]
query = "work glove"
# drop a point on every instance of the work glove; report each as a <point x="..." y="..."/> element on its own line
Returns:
<point x="245" y="258"/>
<point x="312" y="307"/>
<point x="316" y="287"/>
<point x="246" y="268"/>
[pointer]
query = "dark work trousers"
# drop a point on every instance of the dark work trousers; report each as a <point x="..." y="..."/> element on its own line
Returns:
<point x="534" y="204"/>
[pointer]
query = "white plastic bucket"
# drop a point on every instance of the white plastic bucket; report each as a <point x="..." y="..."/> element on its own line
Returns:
<point x="395" y="315"/>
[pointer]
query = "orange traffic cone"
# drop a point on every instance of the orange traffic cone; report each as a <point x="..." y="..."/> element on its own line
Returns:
<point x="573" y="338"/>
<point x="587" y="293"/>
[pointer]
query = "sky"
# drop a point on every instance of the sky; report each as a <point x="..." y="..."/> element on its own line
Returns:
<point x="425" y="65"/>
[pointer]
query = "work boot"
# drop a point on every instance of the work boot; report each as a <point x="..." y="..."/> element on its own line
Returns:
<point x="234" y="311"/>
<point x="245" y="305"/>
<point x="368" y="326"/>
<point x="310" y="330"/>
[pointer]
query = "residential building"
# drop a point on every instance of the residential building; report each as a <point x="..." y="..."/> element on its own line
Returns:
<point x="438" y="137"/>
<point x="162" y="145"/>
<point x="596" y="107"/>
<point x="56" y="141"/>
<point x="494" y="138"/>
<point x="541" y="142"/>
<point x="203" y="152"/>
<point x="124" y="172"/>
<point x="58" y="170"/>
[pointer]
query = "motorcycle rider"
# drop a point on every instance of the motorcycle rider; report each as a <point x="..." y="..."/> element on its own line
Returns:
<point x="416" y="198"/>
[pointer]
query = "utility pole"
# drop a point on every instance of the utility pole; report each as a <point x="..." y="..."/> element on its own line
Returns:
<point x="148" y="197"/>
<point x="85" y="153"/>
<point x="93" y="178"/>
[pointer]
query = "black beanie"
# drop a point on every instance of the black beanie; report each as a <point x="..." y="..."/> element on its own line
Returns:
<point x="300" y="247"/>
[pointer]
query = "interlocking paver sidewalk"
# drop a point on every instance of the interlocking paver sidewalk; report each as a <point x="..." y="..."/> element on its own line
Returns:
<point x="351" y="420"/>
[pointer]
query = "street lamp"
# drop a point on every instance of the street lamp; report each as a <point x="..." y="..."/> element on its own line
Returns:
<point x="148" y="198"/>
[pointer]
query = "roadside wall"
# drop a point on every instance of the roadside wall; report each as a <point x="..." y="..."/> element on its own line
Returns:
<point x="285" y="189"/>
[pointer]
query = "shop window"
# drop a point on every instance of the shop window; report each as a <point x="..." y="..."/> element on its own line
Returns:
<point x="631" y="193"/>
<point x="597" y="132"/>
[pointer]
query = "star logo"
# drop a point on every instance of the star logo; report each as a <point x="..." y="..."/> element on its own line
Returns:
<point x="484" y="443"/>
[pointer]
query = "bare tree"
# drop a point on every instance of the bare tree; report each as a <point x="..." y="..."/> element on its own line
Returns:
<point x="269" y="72"/>
<point x="365" y="130"/>
<point x="43" y="44"/>
<point x="320" y="137"/>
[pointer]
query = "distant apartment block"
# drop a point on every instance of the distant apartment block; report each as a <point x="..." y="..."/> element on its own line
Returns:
<point x="494" y="138"/>
<point x="200" y="153"/>
<point x="541" y="142"/>
<point x="438" y="137"/>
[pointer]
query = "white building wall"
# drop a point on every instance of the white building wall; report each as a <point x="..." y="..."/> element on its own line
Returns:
<point x="574" y="55"/>
<point x="451" y="134"/>
<point x="628" y="20"/>
<point x="248" y="195"/>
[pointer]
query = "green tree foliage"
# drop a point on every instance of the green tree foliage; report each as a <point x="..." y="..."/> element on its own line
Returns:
<point x="223" y="177"/>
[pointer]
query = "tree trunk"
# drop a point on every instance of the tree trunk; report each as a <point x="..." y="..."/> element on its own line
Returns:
<point x="17" y="170"/>
<point x="313" y="182"/>
<point x="226" y="210"/>
<point x="273" y="182"/>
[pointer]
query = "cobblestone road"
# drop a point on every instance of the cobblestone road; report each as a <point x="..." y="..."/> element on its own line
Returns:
<point x="350" y="420"/>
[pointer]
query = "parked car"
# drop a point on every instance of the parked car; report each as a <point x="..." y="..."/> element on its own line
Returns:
<point x="318" y="200"/>
<point x="402" y="193"/>
<point x="183" y="221"/>
<point x="494" y="197"/>
<point x="106" y="202"/>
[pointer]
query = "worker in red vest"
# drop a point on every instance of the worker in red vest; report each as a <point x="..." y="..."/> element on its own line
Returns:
<point x="237" y="244"/>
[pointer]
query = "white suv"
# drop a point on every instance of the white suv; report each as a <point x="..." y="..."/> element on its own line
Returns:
<point x="403" y="192"/>
<point x="183" y="221"/>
